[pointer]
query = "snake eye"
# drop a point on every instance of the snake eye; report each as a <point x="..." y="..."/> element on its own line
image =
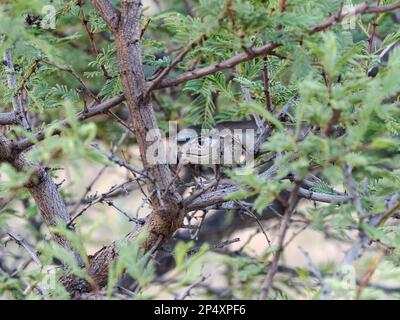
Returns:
<point x="183" y="139"/>
<point x="185" y="135"/>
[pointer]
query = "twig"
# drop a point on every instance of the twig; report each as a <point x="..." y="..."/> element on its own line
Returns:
<point x="295" y="234"/>
<point x="313" y="268"/>
<point x="229" y="63"/>
<point x="358" y="248"/>
<point x="122" y="122"/>
<point x="273" y="268"/>
<point x="387" y="214"/>
<point x="89" y="188"/>
<point x="128" y="166"/>
<point x="251" y="213"/>
<point x="146" y="25"/>
<point x="113" y="150"/>
<point x="219" y="245"/>
<point x="249" y="99"/>
<point x="154" y="83"/>
<point x="352" y="189"/>
<point x="97" y="199"/>
<point x="103" y="107"/>
<point x="231" y="14"/>
<point x="12" y="85"/>
<point x="360" y="9"/>
<point x="373" y="265"/>
<point x="373" y="30"/>
<point x="333" y="121"/>
<point x="244" y="245"/>
<point x="189" y="7"/>
<point x="187" y="292"/>
<point x="131" y="219"/>
<point x="266" y="80"/>
<point x="72" y="72"/>
<point x="90" y="34"/>
<point x="23" y="243"/>
<point x="282" y="6"/>
<point x="32" y="70"/>
<point x="268" y="129"/>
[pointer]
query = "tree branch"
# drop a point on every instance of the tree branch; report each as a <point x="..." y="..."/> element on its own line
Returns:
<point x="229" y="63"/>
<point x="293" y="200"/>
<point x="168" y="69"/>
<point x="49" y="201"/>
<point x="166" y="216"/>
<point x="110" y="14"/>
<point x="41" y="186"/>
<point x="7" y="118"/>
<point x="12" y="85"/>
<point x="95" y="51"/>
<point x="101" y="108"/>
<point x="360" y="9"/>
<point x="359" y="247"/>
<point x="24" y="244"/>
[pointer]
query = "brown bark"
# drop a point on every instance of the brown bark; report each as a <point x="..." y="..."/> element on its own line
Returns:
<point x="165" y="218"/>
<point x="7" y="118"/>
<point x="45" y="193"/>
<point x="167" y="215"/>
<point x="168" y="208"/>
<point x="47" y="197"/>
<point x="40" y="185"/>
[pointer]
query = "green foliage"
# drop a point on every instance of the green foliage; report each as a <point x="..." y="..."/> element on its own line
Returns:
<point x="338" y="117"/>
<point x="134" y="261"/>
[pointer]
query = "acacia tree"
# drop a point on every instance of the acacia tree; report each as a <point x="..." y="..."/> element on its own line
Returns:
<point x="317" y="80"/>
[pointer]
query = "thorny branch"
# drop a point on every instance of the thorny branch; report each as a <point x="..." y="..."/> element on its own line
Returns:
<point x="273" y="268"/>
<point x="168" y="206"/>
